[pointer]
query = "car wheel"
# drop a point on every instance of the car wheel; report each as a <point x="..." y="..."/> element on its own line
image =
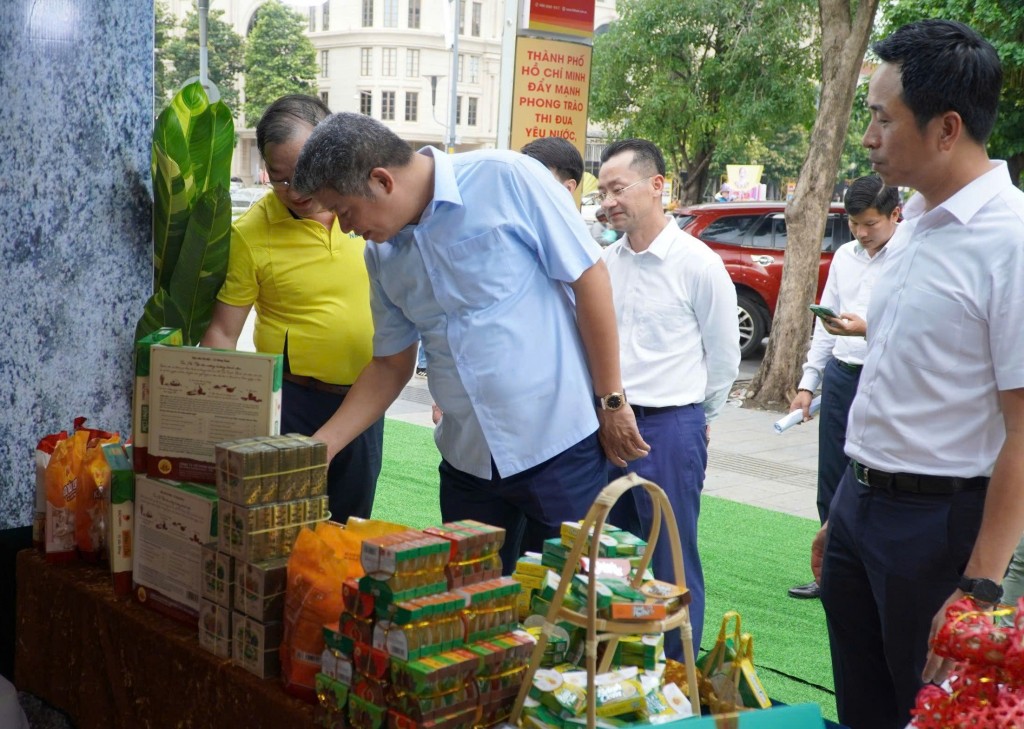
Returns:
<point x="752" y="325"/>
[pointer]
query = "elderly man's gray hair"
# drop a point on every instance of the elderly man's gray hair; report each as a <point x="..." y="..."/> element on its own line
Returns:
<point x="341" y="152"/>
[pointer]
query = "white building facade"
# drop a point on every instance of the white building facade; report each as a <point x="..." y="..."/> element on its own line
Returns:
<point x="391" y="59"/>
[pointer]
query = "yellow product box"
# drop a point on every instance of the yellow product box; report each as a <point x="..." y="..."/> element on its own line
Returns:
<point x="172" y="522"/>
<point x="167" y="336"/>
<point x="530" y="564"/>
<point x="317" y="463"/>
<point x="200" y="397"/>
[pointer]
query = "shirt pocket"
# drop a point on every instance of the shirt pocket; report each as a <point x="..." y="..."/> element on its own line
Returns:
<point x="933" y="331"/>
<point x="485" y="269"/>
<point x="660" y="325"/>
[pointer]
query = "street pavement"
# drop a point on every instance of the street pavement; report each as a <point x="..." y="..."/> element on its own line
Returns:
<point x="747" y="460"/>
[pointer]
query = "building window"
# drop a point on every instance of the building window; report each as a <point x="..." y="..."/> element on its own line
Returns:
<point x="367" y="13"/>
<point x="325" y="15"/>
<point x="414" y="13"/>
<point x="365" y="61"/>
<point x="462" y="67"/>
<point x="474" y="69"/>
<point x="412" y="104"/>
<point x="471" y="111"/>
<point x="475" y="26"/>
<point x="390" y="13"/>
<point x="458" y="109"/>
<point x="412" y="63"/>
<point x="323" y="98"/>
<point x="312" y="19"/>
<point x="462" y="19"/>
<point x="366" y="103"/>
<point x="387" y="105"/>
<point x="323" y="64"/>
<point x="388" y="61"/>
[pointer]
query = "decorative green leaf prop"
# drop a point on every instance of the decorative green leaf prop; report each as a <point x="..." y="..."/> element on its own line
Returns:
<point x="192" y="146"/>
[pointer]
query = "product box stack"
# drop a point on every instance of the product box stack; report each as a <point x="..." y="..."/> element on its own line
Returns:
<point x="634" y="691"/>
<point x="428" y="638"/>
<point x="269" y="487"/>
<point x="186" y="400"/>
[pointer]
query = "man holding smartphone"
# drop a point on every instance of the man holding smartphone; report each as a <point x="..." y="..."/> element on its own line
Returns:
<point x="834" y="362"/>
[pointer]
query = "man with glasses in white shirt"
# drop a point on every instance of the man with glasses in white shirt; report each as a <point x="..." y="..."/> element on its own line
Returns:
<point x="834" y="362"/>
<point x="676" y="312"/>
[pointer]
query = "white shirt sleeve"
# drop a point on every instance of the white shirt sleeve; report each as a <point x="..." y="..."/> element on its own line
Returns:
<point x="822" y="343"/>
<point x="714" y="306"/>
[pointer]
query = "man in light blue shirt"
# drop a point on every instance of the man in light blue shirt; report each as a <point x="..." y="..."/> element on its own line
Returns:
<point x="472" y="253"/>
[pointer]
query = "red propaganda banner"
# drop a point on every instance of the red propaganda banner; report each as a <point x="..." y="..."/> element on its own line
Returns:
<point x="569" y="17"/>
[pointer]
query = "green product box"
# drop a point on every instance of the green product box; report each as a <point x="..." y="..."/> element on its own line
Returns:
<point x="168" y="336"/>
<point x="120" y="517"/>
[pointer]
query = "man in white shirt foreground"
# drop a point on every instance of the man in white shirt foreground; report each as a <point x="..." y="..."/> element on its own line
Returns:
<point x="932" y="505"/>
<point x="835" y="362"/>
<point x="675" y="307"/>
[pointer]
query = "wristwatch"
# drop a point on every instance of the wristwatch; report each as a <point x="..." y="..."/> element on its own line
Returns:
<point x="981" y="589"/>
<point x="612" y="401"/>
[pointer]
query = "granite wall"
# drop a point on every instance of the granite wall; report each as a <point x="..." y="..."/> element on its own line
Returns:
<point x="76" y="108"/>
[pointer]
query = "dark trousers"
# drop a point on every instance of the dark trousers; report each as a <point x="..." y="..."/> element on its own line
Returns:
<point x="352" y="475"/>
<point x="676" y="463"/>
<point x="530" y="506"/>
<point x="891" y="561"/>
<point x="838" y="388"/>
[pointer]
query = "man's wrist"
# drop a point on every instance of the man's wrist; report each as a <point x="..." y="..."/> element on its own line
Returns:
<point x="612" y="401"/>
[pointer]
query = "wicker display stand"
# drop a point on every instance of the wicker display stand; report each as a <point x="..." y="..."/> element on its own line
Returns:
<point x="599" y="629"/>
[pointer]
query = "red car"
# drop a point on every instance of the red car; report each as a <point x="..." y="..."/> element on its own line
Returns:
<point x="751" y="239"/>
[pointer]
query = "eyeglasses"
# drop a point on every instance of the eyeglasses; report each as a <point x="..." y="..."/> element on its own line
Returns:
<point x="280" y="185"/>
<point x="616" y="194"/>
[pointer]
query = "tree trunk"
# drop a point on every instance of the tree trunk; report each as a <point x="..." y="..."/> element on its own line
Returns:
<point x="842" y="53"/>
<point x="696" y="177"/>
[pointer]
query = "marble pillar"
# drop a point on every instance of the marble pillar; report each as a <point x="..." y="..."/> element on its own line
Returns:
<point x="76" y="119"/>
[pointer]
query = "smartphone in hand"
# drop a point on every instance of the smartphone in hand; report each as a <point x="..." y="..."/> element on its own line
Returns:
<point x="823" y="312"/>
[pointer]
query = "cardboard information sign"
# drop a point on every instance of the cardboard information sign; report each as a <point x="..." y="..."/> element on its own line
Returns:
<point x="550" y="91"/>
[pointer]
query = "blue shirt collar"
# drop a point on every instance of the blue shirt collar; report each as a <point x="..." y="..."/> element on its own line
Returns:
<point x="446" y="190"/>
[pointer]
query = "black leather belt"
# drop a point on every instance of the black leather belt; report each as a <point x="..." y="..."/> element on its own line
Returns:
<point x="643" y="411"/>
<point x="312" y="383"/>
<point x="849" y="366"/>
<point x="913" y="483"/>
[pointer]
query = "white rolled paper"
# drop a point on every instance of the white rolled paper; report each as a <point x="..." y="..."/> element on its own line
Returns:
<point x="797" y="416"/>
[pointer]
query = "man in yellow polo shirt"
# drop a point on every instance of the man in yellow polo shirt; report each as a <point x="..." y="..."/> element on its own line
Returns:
<point x="308" y="282"/>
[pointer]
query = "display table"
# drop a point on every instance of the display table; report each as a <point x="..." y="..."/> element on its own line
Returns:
<point x="110" y="662"/>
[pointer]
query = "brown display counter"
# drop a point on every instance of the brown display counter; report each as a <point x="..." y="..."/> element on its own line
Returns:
<point x="111" y="663"/>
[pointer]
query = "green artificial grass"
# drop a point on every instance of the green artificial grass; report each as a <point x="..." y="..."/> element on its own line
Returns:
<point x="751" y="556"/>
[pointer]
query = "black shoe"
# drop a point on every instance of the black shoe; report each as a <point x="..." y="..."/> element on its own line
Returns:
<point x="421" y="372"/>
<point x="810" y="591"/>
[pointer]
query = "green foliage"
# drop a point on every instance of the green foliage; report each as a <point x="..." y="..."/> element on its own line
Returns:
<point x="1001" y="22"/>
<point x="712" y="72"/>
<point x="163" y="30"/>
<point x="279" y="59"/>
<point x="854" y="161"/>
<point x="192" y="146"/>
<point x="225" y="55"/>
